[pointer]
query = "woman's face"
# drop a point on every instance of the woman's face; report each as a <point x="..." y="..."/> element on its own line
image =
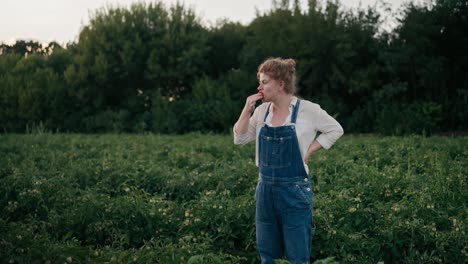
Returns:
<point x="269" y="87"/>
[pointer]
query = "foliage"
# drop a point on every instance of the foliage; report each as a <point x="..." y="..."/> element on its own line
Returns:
<point x="177" y="199"/>
<point x="142" y="69"/>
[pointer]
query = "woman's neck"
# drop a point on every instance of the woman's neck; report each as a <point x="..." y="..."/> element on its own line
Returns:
<point x="282" y="104"/>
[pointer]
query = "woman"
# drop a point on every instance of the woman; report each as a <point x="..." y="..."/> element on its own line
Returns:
<point x="284" y="128"/>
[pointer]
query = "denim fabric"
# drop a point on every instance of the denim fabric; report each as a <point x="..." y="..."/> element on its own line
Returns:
<point x="284" y="197"/>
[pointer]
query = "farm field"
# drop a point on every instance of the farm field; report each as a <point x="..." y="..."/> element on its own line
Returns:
<point x="71" y="198"/>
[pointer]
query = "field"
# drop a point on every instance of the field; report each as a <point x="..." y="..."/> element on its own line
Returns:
<point x="178" y="199"/>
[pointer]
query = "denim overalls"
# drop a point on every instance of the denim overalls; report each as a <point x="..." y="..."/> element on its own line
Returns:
<point x="284" y="196"/>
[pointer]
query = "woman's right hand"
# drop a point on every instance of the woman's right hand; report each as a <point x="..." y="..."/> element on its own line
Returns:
<point x="242" y="125"/>
<point x="251" y="100"/>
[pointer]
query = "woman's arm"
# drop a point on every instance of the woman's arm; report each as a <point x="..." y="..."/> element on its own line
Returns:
<point x="314" y="147"/>
<point x="245" y="127"/>
<point x="330" y="131"/>
<point x="242" y="124"/>
<point x="329" y="128"/>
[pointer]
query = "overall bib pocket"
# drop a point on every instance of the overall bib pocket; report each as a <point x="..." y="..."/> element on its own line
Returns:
<point x="276" y="152"/>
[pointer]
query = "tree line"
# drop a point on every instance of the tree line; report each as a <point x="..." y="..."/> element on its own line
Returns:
<point x="160" y="69"/>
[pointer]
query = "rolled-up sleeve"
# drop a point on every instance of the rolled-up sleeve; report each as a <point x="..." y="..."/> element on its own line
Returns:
<point x="329" y="128"/>
<point x="241" y="139"/>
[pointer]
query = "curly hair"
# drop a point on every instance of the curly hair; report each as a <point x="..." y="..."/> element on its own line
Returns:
<point x="281" y="70"/>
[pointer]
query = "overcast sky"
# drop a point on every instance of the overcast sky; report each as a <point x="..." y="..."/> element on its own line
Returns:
<point x="62" y="20"/>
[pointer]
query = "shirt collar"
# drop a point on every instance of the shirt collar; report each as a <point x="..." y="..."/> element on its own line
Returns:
<point x="291" y="105"/>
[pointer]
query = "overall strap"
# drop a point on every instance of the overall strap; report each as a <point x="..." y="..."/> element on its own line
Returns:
<point x="295" y="111"/>
<point x="267" y="112"/>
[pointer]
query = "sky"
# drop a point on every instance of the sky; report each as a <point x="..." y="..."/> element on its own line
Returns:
<point x="62" y="20"/>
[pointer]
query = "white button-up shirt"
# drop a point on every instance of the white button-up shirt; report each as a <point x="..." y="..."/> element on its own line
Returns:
<point x="310" y="120"/>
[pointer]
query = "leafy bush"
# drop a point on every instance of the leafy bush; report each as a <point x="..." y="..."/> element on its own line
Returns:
<point x="108" y="120"/>
<point x="402" y="119"/>
<point x="173" y="199"/>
